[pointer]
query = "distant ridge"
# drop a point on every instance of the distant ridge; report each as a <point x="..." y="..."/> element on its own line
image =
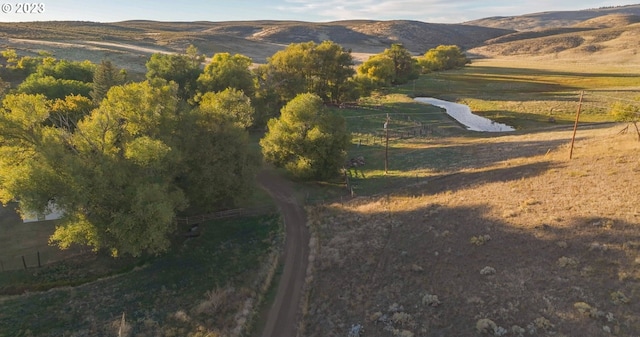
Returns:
<point x="578" y="34"/>
<point x="551" y="19"/>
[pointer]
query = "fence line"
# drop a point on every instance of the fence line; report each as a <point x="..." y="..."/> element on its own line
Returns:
<point x="19" y="262"/>
<point x="232" y="213"/>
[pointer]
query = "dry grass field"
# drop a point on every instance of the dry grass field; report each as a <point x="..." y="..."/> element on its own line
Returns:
<point x="508" y="245"/>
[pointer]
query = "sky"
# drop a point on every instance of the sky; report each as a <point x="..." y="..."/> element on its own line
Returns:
<point x="433" y="11"/>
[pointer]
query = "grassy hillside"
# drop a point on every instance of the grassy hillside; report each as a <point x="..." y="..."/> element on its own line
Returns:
<point x="256" y="39"/>
<point x="552" y="19"/>
<point x="616" y="44"/>
<point x="518" y="241"/>
<point x="598" y="33"/>
<point x="487" y="234"/>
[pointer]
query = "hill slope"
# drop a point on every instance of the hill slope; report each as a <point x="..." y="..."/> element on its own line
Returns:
<point x="600" y="34"/>
<point x="535" y="243"/>
<point x="608" y="38"/>
<point x="551" y="19"/>
<point x="256" y="39"/>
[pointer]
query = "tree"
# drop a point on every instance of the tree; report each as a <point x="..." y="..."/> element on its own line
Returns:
<point x="126" y="169"/>
<point x="230" y="104"/>
<point x="331" y="69"/>
<point x="194" y="55"/>
<point x="113" y="175"/>
<point x="180" y="69"/>
<point x="226" y="71"/>
<point x="219" y="164"/>
<point x="627" y="112"/>
<point x="53" y="88"/>
<point x="306" y="139"/>
<point x="66" y="70"/>
<point x="443" y="58"/>
<point x="105" y="76"/>
<point x="406" y="67"/>
<point x="57" y="79"/>
<point x="66" y="113"/>
<point x="379" y="69"/>
<point x="323" y="69"/>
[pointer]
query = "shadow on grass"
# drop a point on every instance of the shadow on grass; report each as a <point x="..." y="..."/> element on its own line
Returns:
<point x="455" y="181"/>
<point x="160" y="298"/>
<point x="533" y="274"/>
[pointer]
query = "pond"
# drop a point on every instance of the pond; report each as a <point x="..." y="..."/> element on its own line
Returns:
<point x="462" y="113"/>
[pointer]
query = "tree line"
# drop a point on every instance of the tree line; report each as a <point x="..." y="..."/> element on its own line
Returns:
<point x="122" y="158"/>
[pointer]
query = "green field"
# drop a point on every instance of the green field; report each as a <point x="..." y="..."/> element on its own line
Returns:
<point x="526" y="93"/>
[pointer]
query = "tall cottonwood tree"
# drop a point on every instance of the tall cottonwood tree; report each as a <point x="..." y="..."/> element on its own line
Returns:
<point x="227" y="71"/>
<point x="406" y="67"/>
<point x="230" y="104"/>
<point x="377" y="71"/>
<point x="443" y="57"/>
<point x="324" y="69"/>
<point x="179" y="68"/>
<point x="307" y="140"/>
<point x="124" y="171"/>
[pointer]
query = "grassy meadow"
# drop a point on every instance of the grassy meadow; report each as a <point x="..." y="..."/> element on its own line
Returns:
<point x="526" y="93"/>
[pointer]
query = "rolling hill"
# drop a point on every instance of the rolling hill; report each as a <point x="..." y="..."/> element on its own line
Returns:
<point x="600" y="34"/>
<point x="551" y="19"/>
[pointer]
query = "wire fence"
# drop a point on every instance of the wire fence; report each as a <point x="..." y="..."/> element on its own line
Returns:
<point x="232" y="213"/>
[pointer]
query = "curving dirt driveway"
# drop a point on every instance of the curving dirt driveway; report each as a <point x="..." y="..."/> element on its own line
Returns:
<point x="283" y="316"/>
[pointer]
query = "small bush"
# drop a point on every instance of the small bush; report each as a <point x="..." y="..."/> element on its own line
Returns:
<point x="480" y="239"/>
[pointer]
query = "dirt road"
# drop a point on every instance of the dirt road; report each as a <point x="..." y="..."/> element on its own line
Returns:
<point x="283" y="316"/>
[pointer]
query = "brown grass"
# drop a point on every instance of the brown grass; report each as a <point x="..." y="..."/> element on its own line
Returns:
<point x="555" y="232"/>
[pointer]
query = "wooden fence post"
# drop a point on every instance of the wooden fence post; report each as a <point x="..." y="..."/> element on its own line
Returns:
<point x="575" y="126"/>
<point x="39" y="265"/>
<point x="24" y="263"/>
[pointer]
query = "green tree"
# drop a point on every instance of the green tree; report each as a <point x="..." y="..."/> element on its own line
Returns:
<point x="105" y="76"/>
<point x="406" y="67"/>
<point x="229" y="104"/>
<point x="306" y="139"/>
<point x="323" y="69"/>
<point x="113" y="175"/>
<point x="194" y="55"/>
<point x="57" y="78"/>
<point x="66" y="113"/>
<point x="627" y="112"/>
<point x="66" y="70"/>
<point x="332" y="67"/>
<point x="219" y="164"/>
<point x="177" y="68"/>
<point x="126" y="169"/>
<point x="226" y="71"/>
<point x="443" y="58"/>
<point x="379" y="69"/>
<point x="53" y="88"/>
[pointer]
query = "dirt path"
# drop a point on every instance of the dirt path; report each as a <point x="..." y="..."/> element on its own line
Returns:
<point x="283" y="316"/>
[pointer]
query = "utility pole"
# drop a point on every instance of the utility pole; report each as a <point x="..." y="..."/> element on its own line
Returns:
<point x="386" y="147"/>
<point x="575" y="126"/>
